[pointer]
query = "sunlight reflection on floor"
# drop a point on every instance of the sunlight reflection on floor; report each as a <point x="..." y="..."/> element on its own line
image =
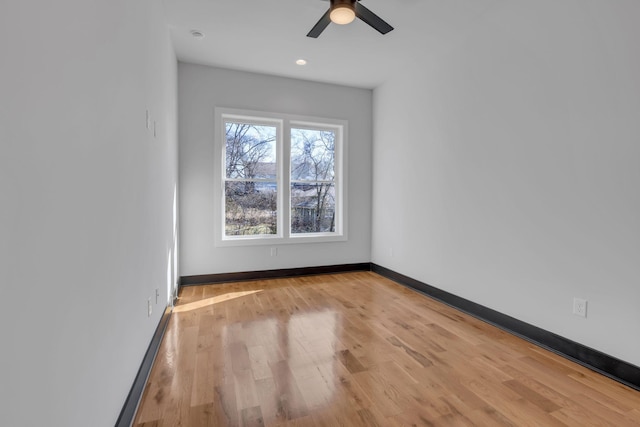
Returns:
<point x="211" y="301"/>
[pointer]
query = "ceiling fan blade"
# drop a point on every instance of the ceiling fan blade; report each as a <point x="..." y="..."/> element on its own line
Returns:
<point x="372" y="19"/>
<point x="320" y="25"/>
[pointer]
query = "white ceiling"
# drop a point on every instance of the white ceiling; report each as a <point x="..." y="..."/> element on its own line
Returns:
<point x="268" y="36"/>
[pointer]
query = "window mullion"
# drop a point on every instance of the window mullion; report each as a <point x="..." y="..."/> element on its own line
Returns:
<point x="249" y="180"/>
<point x="312" y="181"/>
<point x="285" y="179"/>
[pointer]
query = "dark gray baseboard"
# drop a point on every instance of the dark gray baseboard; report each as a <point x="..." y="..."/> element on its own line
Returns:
<point x="272" y="274"/>
<point x="595" y="360"/>
<point x="130" y="407"/>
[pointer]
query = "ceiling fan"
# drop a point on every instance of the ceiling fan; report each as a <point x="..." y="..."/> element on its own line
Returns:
<point x="344" y="12"/>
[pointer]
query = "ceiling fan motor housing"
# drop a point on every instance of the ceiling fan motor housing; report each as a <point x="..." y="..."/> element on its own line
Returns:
<point x="349" y="3"/>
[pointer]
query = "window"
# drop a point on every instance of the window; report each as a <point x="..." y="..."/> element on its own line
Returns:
<point x="313" y="195"/>
<point x="280" y="180"/>
<point x="251" y="186"/>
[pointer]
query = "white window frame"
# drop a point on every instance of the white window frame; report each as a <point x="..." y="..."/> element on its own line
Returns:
<point x="283" y="124"/>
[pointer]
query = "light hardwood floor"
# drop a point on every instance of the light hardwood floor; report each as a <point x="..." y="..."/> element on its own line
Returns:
<point x="356" y="349"/>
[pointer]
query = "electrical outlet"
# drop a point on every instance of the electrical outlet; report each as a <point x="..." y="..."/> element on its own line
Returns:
<point x="580" y="307"/>
<point x="274" y="251"/>
<point x="149" y="308"/>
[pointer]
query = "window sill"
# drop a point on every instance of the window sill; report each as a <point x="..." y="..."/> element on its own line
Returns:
<point x="279" y="240"/>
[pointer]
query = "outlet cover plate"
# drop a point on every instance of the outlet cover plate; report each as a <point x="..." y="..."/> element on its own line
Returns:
<point x="580" y="307"/>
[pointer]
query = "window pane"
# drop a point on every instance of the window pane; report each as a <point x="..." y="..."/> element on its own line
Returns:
<point x="313" y="208"/>
<point x="250" y="151"/>
<point x="250" y="208"/>
<point x="312" y="154"/>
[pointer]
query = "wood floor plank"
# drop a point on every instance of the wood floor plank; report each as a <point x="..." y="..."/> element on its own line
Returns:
<point x="252" y="417"/>
<point x="289" y="400"/>
<point x="357" y="349"/>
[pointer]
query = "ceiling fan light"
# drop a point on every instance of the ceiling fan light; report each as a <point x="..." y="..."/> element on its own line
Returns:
<point x="342" y="14"/>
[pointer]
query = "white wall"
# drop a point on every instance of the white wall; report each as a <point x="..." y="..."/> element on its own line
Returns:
<point x="87" y="196"/>
<point x="510" y="158"/>
<point x="201" y="89"/>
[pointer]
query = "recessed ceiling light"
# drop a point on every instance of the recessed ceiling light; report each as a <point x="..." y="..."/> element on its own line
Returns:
<point x="301" y="62"/>
<point x="197" y="34"/>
